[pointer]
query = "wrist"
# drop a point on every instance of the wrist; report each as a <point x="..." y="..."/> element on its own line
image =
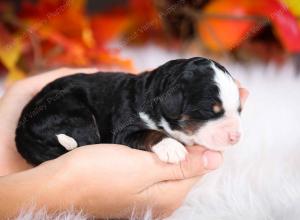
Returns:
<point x="60" y="182"/>
<point x="46" y="186"/>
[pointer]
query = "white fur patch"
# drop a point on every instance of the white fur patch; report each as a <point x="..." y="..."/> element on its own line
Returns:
<point x="148" y="121"/>
<point x="215" y="134"/>
<point x="170" y="150"/>
<point x="229" y="92"/>
<point x="67" y="142"/>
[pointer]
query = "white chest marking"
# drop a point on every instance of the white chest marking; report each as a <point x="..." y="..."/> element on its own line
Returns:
<point x="148" y="121"/>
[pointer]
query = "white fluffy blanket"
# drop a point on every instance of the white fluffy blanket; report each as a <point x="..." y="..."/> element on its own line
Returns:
<point x="260" y="179"/>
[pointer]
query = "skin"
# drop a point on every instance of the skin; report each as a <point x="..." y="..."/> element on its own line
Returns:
<point x="103" y="180"/>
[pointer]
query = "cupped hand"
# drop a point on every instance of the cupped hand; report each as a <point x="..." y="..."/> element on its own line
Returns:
<point x="114" y="181"/>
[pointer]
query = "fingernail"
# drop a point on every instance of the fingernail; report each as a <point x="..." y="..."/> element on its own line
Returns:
<point x="212" y="160"/>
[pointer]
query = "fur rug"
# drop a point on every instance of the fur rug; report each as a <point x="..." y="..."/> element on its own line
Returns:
<point x="260" y="178"/>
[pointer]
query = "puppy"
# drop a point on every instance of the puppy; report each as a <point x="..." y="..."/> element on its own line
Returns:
<point x="183" y="102"/>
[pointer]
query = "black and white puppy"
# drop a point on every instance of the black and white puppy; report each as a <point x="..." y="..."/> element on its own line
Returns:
<point x="183" y="102"/>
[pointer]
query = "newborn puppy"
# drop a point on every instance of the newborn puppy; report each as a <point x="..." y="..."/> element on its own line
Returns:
<point x="183" y="102"/>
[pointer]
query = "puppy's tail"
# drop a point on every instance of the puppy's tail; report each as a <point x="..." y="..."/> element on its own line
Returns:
<point x="67" y="142"/>
<point x="40" y="146"/>
<point x="35" y="150"/>
<point x="51" y="135"/>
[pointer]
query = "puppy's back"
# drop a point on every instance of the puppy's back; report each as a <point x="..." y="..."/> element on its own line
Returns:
<point x="68" y="106"/>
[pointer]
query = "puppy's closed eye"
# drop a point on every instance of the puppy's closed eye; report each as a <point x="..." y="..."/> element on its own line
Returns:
<point x="240" y="109"/>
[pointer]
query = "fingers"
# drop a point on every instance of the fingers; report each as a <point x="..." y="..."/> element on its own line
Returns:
<point x="39" y="81"/>
<point x="244" y="93"/>
<point x="174" y="181"/>
<point x="22" y="91"/>
<point x="198" y="162"/>
<point x="28" y="87"/>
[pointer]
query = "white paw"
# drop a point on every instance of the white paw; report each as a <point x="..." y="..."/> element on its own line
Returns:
<point x="169" y="150"/>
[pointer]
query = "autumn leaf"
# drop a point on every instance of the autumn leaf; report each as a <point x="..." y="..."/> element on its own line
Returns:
<point x="294" y="6"/>
<point x="9" y="56"/>
<point x="109" y="26"/>
<point x="283" y="21"/>
<point x="220" y="34"/>
<point x="60" y="33"/>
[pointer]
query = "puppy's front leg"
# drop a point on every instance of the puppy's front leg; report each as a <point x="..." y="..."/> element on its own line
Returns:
<point x="166" y="148"/>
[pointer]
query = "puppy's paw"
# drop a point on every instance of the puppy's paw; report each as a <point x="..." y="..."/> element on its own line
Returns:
<point x="169" y="150"/>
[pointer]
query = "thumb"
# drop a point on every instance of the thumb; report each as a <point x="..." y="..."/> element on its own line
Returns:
<point x="198" y="162"/>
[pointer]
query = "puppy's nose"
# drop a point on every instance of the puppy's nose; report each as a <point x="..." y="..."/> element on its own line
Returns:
<point x="234" y="137"/>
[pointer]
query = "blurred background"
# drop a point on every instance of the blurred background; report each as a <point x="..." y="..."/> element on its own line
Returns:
<point x="38" y="35"/>
<point x="258" y="41"/>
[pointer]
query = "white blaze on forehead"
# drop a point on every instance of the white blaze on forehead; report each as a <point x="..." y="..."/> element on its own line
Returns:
<point x="229" y="92"/>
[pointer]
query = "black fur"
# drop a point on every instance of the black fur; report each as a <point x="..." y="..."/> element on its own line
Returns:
<point x="104" y="108"/>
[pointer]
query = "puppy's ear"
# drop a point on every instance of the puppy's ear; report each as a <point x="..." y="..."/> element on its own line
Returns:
<point x="171" y="103"/>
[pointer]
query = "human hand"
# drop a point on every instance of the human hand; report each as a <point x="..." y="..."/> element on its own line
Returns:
<point x="244" y="93"/>
<point x="106" y="181"/>
<point x="112" y="181"/>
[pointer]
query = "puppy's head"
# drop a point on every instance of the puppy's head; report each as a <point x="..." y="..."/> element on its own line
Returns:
<point x="202" y="106"/>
